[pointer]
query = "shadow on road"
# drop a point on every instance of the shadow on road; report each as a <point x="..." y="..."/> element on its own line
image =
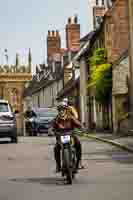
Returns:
<point x="50" y="181"/>
<point x="42" y="180"/>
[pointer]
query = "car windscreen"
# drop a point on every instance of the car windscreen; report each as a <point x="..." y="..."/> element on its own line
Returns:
<point x="47" y="113"/>
<point x="4" y="107"/>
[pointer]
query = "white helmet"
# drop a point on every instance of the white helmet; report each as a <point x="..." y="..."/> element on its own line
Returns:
<point x="62" y="104"/>
<point x="65" y="100"/>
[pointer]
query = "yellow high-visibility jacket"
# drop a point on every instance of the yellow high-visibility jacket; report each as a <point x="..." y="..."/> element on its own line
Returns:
<point x="74" y="111"/>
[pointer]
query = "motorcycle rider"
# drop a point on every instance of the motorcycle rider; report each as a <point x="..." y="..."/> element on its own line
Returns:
<point x="30" y="114"/>
<point x="71" y="107"/>
<point x="65" y="120"/>
<point x="74" y="112"/>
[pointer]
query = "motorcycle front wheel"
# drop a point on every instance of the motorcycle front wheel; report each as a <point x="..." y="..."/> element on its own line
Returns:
<point x="67" y="165"/>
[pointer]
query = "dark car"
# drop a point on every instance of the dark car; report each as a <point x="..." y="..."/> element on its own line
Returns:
<point x="44" y="118"/>
<point x="8" y="126"/>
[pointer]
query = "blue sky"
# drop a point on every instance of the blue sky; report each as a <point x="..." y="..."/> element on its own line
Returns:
<point x="24" y="24"/>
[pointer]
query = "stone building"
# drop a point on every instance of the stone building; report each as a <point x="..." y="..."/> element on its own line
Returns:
<point x="120" y="93"/>
<point x="12" y="84"/>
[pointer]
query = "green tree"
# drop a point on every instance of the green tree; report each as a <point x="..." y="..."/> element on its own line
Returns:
<point x="100" y="78"/>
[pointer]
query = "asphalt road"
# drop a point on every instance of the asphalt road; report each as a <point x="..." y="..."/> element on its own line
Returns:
<point x="28" y="172"/>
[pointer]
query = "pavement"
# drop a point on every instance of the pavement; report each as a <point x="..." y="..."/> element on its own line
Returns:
<point x="123" y="142"/>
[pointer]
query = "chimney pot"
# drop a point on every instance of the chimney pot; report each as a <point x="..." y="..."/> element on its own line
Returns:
<point x="69" y="20"/>
<point x="48" y="32"/>
<point x="75" y="19"/>
<point x="57" y="33"/>
<point x="53" y="33"/>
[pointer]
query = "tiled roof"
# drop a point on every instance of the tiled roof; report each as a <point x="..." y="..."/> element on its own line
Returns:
<point x="35" y="86"/>
<point x="87" y="37"/>
<point x="69" y="86"/>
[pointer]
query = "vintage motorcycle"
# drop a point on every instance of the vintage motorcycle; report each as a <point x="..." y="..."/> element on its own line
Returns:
<point x="68" y="156"/>
<point x="30" y="124"/>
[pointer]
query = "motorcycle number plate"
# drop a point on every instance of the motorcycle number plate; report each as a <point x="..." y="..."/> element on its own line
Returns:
<point x="65" y="139"/>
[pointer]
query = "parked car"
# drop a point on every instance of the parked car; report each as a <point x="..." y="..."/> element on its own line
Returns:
<point x="8" y="126"/>
<point x="44" y="118"/>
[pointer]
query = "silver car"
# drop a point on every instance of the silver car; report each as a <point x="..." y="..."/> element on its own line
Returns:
<point x="44" y="118"/>
<point x="8" y="126"/>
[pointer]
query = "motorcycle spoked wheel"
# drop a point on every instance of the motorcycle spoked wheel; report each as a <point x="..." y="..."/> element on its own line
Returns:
<point x="67" y="169"/>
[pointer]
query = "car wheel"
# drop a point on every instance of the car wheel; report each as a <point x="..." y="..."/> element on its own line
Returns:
<point x="14" y="140"/>
<point x="35" y="134"/>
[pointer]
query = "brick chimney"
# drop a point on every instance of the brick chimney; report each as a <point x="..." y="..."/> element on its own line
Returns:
<point x="73" y="34"/>
<point x="98" y="12"/>
<point x="53" y="44"/>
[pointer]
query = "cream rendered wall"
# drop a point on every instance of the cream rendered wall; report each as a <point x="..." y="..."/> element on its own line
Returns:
<point x="47" y="96"/>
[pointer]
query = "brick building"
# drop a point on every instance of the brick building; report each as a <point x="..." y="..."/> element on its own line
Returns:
<point x="116" y="41"/>
<point x="111" y="24"/>
<point x="116" y="29"/>
<point x="114" y="34"/>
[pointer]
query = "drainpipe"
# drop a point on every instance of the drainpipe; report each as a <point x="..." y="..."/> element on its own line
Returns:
<point x="130" y="12"/>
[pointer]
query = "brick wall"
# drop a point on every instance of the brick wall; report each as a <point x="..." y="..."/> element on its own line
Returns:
<point x="73" y="34"/>
<point x="53" y="43"/>
<point x="98" y="11"/>
<point x="116" y="29"/>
